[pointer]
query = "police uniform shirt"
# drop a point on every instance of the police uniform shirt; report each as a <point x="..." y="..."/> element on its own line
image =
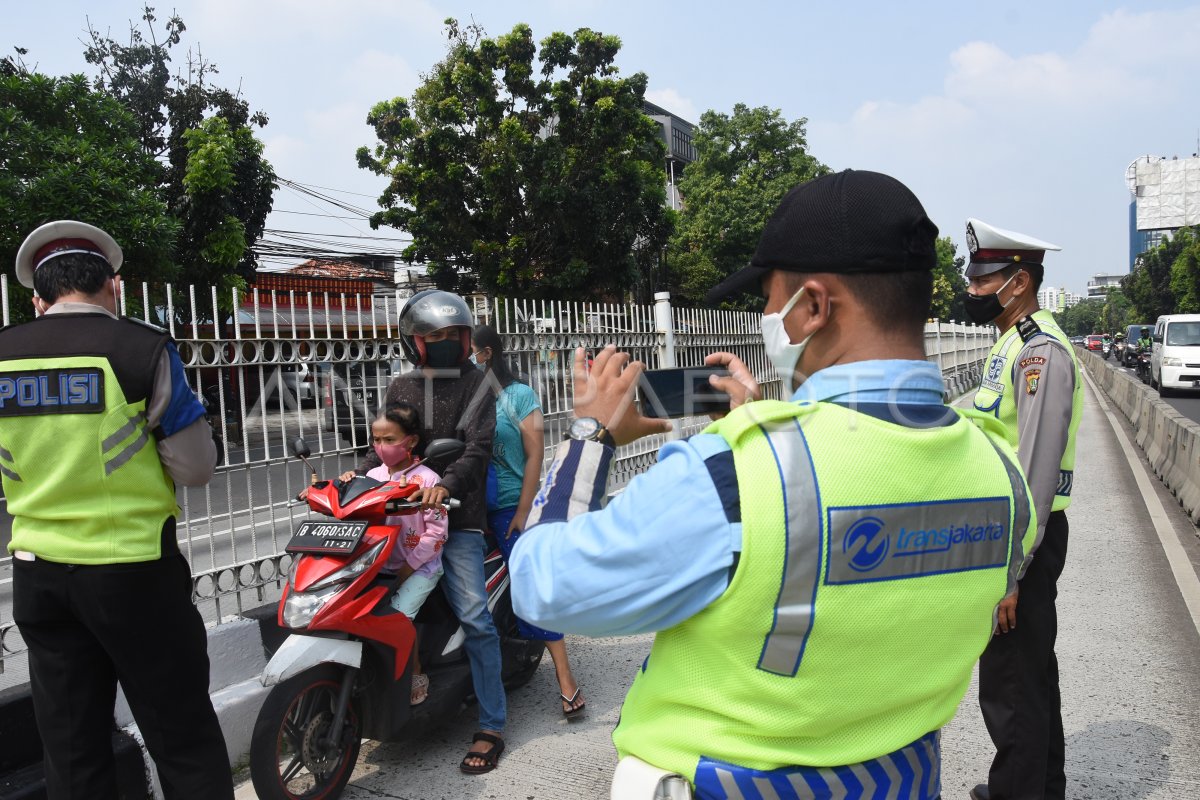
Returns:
<point x="186" y="446"/>
<point x="1044" y="384"/>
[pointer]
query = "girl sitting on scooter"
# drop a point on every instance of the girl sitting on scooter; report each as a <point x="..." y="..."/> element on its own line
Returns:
<point x="417" y="559"/>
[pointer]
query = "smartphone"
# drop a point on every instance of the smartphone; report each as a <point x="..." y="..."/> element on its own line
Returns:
<point x="682" y="392"/>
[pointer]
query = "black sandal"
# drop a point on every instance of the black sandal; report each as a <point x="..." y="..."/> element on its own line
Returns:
<point x="490" y="758"/>
<point x="572" y="711"/>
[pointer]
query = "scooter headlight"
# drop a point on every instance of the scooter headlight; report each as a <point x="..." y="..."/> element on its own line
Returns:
<point x="300" y="607"/>
<point x="352" y="570"/>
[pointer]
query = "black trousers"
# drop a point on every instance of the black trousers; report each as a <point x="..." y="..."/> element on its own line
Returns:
<point x="88" y="627"/>
<point x="1018" y="684"/>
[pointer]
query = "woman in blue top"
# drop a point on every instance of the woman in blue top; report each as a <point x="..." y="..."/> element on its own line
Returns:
<point x="516" y="472"/>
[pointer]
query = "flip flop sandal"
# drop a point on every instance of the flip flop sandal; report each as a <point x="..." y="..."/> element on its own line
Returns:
<point x="489" y="758"/>
<point x="420" y="690"/>
<point x="573" y="711"/>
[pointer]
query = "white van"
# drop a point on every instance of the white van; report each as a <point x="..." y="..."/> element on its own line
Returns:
<point x="1175" y="357"/>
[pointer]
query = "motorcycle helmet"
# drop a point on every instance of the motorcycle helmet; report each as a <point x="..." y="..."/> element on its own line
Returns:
<point x="428" y="311"/>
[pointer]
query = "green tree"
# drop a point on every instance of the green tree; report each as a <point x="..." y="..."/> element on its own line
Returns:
<point x="1150" y="286"/>
<point x="68" y="151"/>
<point x="949" y="285"/>
<point x="1115" y="314"/>
<point x="1082" y="318"/>
<point x="175" y="118"/>
<point x="523" y="171"/>
<point x="1185" y="272"/>
<point x="745" y="163"/>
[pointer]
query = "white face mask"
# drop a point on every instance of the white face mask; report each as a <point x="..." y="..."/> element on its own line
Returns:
<point x="784" y="354"/>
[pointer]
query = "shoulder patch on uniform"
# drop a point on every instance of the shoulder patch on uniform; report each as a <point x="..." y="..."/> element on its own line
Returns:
<point x="1025" y="362"/>
<point x="1028" y="328"/>
<point x="1032" y="377"/>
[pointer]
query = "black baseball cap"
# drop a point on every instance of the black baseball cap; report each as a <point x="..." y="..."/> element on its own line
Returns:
<point x="846" y="222"/>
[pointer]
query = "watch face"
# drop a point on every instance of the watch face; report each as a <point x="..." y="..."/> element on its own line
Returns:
<point x="584" y="428"/>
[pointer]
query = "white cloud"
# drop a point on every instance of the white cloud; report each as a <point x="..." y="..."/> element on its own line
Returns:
<point x="673" y="101"/>
<point x="1036" y="141"/>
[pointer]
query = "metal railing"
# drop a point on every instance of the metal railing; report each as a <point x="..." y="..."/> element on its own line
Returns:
<point x="273" y="366"/>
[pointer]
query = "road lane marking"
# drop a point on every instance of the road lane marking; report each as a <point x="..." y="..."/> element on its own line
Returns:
<point x="1181" y="566"/>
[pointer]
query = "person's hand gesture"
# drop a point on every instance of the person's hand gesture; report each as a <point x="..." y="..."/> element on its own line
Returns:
<point x="347" y="476"/>
<point x="739" y="384"/>
<point x="605" y="392"/>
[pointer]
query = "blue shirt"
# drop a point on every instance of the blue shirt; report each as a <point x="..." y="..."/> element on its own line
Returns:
<point x="664" y="548"/>
<point x="513" y="405"/>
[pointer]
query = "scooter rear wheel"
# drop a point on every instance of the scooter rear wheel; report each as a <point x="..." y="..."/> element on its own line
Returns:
<point x="288" y="757"/>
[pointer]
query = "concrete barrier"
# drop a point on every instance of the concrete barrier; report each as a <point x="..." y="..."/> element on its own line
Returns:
<point x="1170" y="440"/>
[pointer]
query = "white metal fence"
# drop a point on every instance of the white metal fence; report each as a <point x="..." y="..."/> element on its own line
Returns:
<point x="280" y="365"/>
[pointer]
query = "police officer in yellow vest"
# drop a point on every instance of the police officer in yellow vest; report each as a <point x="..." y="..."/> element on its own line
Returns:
<point x="97" y="425"/>
<point x="821" y="572"/>
<point x="1032" y="385"/>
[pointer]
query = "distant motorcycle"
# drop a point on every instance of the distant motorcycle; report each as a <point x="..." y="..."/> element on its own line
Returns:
<point x="1143" y="366"/>
<point x="1107" y="349"/>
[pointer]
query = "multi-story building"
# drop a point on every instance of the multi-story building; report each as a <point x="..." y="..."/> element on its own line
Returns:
<point x="1100" y="283"/>
<point x="1057" y="299"/>
<point x="1165" y="196"/>
<point x="676" y="134"/>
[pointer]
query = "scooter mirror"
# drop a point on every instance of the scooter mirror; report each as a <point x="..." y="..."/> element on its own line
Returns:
<point x="300" y="448"/>
<point x="441" y="453"/>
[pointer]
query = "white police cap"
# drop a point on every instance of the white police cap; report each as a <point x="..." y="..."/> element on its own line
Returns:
<point x="993" y="249"/>
<point x="60" y="238"/>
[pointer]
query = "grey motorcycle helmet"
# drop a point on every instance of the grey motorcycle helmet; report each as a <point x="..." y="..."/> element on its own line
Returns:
<point x="428" y="311"/>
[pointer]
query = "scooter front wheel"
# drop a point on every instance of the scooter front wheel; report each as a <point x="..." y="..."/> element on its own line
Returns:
<point x="293" y="753"/>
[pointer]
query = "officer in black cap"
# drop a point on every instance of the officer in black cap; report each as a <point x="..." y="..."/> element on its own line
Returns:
<point x="1033" y="386"/>
<point x="770" y="551"/>
<point x="97" y="426"/>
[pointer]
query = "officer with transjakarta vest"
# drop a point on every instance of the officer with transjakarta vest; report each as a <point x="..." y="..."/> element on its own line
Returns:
<point x="822" y="572"/>
<point x="97" y="426"/>
<point x="1032" y="385"/>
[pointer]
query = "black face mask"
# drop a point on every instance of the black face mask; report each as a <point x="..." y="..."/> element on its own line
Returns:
<point x="983" y="308"/>
<point x="445" y="354"/>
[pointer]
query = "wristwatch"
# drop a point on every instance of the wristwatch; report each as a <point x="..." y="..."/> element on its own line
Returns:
<point x="589" y="429"/>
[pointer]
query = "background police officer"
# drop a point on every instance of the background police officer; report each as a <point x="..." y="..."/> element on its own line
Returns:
<point x="1033" y="386"/>
<point x="97" y="425"/>
<point x="822" y="573"/>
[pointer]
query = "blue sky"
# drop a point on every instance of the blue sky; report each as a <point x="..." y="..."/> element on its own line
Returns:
<point x="1024" y="114"/>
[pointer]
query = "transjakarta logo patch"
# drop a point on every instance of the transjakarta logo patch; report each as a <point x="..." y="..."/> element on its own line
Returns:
<point x="51" y="391"/>
<point x="880" y="543"/>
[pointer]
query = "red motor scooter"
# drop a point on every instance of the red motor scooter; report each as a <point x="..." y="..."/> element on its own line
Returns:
<point x="345" y="671"/>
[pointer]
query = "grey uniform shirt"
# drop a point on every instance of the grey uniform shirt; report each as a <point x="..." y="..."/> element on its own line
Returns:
<point x="1044" y="385"/>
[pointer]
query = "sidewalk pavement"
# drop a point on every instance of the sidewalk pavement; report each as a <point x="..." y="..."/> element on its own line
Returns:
<point x="1129" y="658"/>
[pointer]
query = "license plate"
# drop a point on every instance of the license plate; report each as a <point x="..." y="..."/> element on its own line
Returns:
<point x="326" y="537"/>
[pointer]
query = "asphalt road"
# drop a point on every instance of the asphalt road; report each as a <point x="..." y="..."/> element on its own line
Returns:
<point x="1186" y="402"/>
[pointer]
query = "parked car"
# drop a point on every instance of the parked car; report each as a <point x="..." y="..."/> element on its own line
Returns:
<point x="1095" y="342"/>
<point x="1175" y="357"/>
<point x="351" y="394"/>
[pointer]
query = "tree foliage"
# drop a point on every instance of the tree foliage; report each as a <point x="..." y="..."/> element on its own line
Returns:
<point x="523" y="171"/>
<point x="1082" y="318"/>
<point x="1185" y="272"/>
<point x="745" y="163"/>
<point x="949" y="284"/>
<point x="68" y="151"/>
<point x="211" y="174"/>
<point x="1165" y="280"/>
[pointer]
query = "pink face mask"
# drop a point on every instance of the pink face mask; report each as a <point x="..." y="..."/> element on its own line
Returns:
<point x="393" y="454"/>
